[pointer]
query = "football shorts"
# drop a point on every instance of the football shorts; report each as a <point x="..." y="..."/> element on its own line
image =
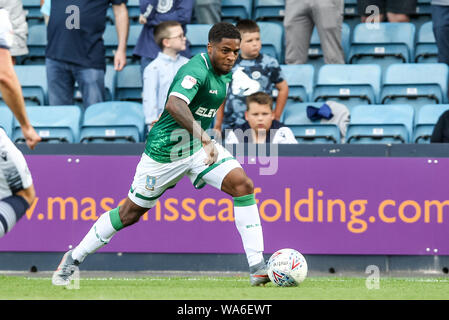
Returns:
<point x="153" y="178"/>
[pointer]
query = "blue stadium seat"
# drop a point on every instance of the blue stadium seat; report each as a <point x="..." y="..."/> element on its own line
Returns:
<point x="380" y="124"/>
<point x="272" y="36"/>
<point x="348" y="84"/>
<point x="36" y="42"/>
<point x="234" y="10"/>
<point x="129" y="84"/>
<point x="6" y="120"/>
<point x="382" y="43"/>
<point x="110" y="79"/>
<point x="423" y="7"/>
<point x="34" y="9"/>
<point x="54" y="124"/>
<point x="197" y="34"/>
<point x="133" y="10"/>
<point x="300" y="79"/>
<point x="425" y="121"/>
<point x="113" y="121"/>
<point x="111" y="42"/>
<point x="305" y="130"/>
<point x="426" y="50"/>
<point x="33" y="79"/>
<point x="416" y="84"/>
<point x="316" y="52"/>
<point x="350" y="8"/>
<point x="269" y="10"/>
<point x="133" y="13"/>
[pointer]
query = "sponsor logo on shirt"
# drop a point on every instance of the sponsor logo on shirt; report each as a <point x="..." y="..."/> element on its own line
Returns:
<point x="213" y="91"/>
<point x="204" y="112"/>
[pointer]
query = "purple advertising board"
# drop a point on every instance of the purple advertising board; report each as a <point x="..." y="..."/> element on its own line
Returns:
<point x="317" y="205"/>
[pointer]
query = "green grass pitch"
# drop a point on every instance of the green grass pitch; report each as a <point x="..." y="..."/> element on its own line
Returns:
<point x="223" y="288"/>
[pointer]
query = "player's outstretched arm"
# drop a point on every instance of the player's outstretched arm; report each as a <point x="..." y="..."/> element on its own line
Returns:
<point x="12" y="95"/>
<point x="180" y="111"/>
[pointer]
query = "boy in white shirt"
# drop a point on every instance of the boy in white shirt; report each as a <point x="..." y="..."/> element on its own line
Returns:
<point x="159" y="74"/>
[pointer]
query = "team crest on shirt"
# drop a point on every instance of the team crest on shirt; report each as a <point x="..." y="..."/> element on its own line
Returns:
<point x="163" y="6"/>
<point x="188" y="82"/>
<point x="150" y="183"/>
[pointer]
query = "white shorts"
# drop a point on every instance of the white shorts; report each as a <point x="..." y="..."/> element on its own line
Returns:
<point x="14" y="172"/>
<point x="153" y="178"/>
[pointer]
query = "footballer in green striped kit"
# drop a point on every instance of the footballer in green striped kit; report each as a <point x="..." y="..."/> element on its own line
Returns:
<point x="177" y="146"/>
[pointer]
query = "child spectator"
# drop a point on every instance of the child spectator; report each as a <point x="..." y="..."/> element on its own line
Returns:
<point x="260" y="125"/>
<point x="159" y="74"/>
<point x="252" y="72"/>
<point x="153" y="12"/>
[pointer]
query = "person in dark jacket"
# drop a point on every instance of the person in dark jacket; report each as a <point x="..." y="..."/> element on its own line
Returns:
<point x="441" y="130"/>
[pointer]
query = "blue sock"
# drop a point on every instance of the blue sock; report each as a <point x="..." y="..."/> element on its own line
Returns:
<point x="12" y="208"/>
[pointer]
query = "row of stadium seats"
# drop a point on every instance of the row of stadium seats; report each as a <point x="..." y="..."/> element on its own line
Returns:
<point x="123" y="122"/>
<point x="386" y="44"/>
<point x="102" y="122"/>
<point x="392" y="123"/>
<point x="411" y="83"/>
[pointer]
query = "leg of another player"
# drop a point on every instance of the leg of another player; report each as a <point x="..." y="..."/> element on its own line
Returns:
<point x="13" y="208"/>
<point x="99" y="235"/>
<point x="247" y="220"/>
<point x="106" y="226"/>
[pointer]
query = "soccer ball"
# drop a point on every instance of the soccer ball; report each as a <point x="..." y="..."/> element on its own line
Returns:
<point x="287" y="267"/>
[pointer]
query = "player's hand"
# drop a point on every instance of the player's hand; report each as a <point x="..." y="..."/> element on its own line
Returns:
<point x="31" y="137"/>
<point x="211" y="152"/>
<point x="119" y="60"/>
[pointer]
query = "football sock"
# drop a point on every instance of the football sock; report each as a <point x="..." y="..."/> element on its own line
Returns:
<point x="247" y="221"/>
<point x="99" y="235"/>
<point x="12" y="208"/>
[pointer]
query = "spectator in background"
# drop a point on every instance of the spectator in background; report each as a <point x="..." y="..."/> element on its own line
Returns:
<point x="45" y="10"/>
<point x="260" y="125"/>
<point x="207" y="11"/>
<point x="397" y="11"/>
<point x="440" y="132"/>
<point x="17" y="16"/>
<point x="252" y="72"/>
<point x="299" y="21"/>
<point x="75" y="49"/>
<point x="154" y="12"/>
<point x="159" y="74"/>
<point x="440" y="20"/>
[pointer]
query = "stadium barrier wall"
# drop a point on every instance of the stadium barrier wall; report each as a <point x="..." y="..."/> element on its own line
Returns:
<point x="324" y="200"/>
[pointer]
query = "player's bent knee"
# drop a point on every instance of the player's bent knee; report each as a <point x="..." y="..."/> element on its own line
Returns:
<point x="29" y="194"/>
<point x="244" y="187"/>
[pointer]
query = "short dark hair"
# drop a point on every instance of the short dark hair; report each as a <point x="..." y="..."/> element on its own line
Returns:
<point x="161" y="31"/>
<point x="222" y="30"/>
<point x="259" y="97"/>
<point x="247" y="25"/>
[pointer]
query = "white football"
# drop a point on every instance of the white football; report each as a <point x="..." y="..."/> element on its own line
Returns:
<point x="287" y="267"/>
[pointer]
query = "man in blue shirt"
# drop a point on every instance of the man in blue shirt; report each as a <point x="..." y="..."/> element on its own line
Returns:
<point x="75" y="49"/>
<point x="153" y="13"/>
